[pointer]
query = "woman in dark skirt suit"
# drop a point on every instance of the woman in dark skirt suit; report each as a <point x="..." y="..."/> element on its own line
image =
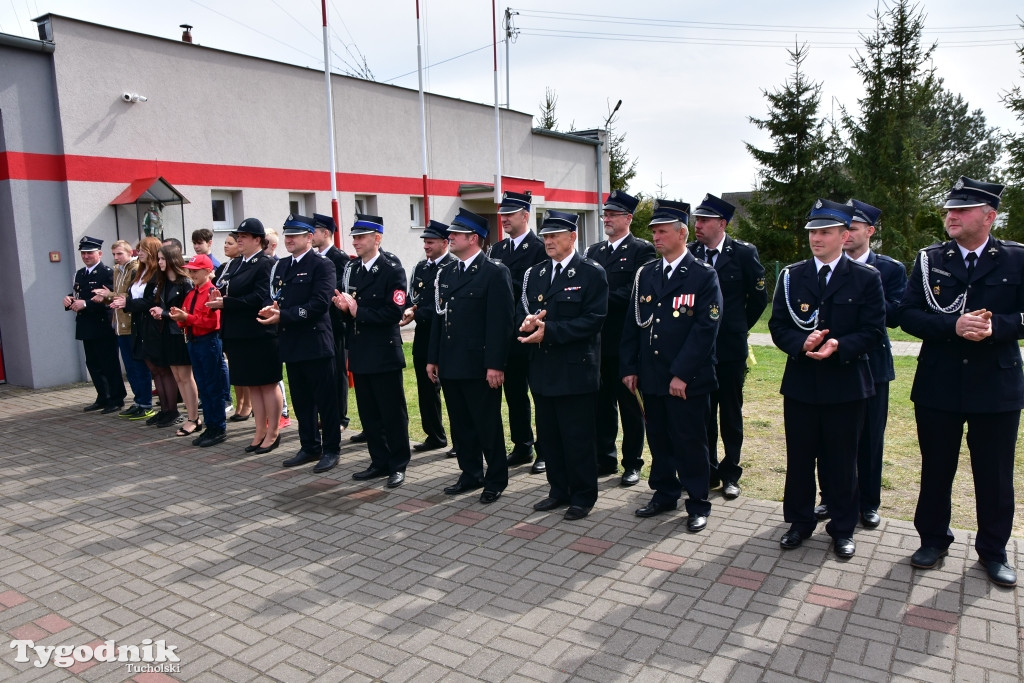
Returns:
<point x="251" y="348"/>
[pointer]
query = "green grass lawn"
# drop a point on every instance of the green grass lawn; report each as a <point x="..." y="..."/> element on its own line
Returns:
<point x="764" y="448"/>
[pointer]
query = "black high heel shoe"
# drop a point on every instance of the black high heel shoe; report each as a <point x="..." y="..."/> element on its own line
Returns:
<point x="261" y="450"/>
<point x="253" y="446"/>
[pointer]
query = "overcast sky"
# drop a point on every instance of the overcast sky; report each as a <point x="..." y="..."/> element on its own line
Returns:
<point x="688" y="73"/>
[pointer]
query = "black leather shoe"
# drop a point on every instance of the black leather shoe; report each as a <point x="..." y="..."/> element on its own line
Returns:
<point x="429" y="445"/>
<point x="870" y="518"/>
<point x="452" y="453"/>
<point x="1000" y="573"/>
<point x="96" y="405"/>
<point x="630" y="478"/>
<point x="488" y="497"/>
<point x="328" y="462"/>
<point x="821" y="512"/>
<point x="358" y="438"/>
<point x="370" y="472"/>
<point x="695" y="523"/>
<point x="461" y="487"/>
<point x="210" y="438"/>
<point x="396" y="479"/>
<point x="844" y="548"/>
<point x="539" y="467"/>
<point x="791" y="539"/>
<point x="112" y="408"/>
<point x="926" y="557"/>
<point x="520" y="455"/>
<point x="730" y="491"/>
<point x="549" y="504"/>
<point x="576" y="512"/>
<point x="251" y="448"/>
<point x="266" y="449"/>
<point x="654" y="508"/>
<point x="300" y="458"/>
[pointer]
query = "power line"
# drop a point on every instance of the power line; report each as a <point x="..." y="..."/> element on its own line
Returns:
<point x="318" y="60"/>
<point x="443" y="61"/>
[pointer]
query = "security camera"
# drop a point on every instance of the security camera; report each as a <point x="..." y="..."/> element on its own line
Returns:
<point x="127" y="97"/>
<point x="133" y="97"/>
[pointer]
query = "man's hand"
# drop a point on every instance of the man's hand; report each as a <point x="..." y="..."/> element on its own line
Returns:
<point x="77" y="305"/>
<point x="269" y="315"/>
<point x="630" y="382"/>
<point x="68" y="301"/>
<point x="345" y="302"/>
<point x="100" y="295"/>
<point x="677" y="388"/>
<point x="814" y="340"/>
<point x="533" y="324"/>
<point x="826" y="350"/>
<point x="432" y="372"/>
<point x="407" y="316"/>
<point x="495" y="378"/>
<point x="975" y="325"/>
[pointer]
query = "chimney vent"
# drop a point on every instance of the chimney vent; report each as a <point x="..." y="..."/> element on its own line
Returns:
<point x="186" y="35"/>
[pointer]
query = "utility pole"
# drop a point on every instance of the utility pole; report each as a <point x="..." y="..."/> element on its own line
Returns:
<point x="511" y="32"/>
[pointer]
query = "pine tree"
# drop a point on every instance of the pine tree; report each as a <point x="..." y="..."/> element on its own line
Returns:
<point x="547" y="119"/>
<point x="1012" y="207"/>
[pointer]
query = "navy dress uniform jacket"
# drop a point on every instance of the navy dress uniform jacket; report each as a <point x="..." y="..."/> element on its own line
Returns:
<point x="853" y="311"/>
<point x="620" y="266"/>
<point x="460" y="346"/>
<point x="304" y="332"/>
<point x="673" y="345"/>
<point x="894" y="284"/>
<point x="567" y="361"/>
<point x="93" y="321"/>
<point x="954" y="374"/>
<point x="744" y="297"/>
<point x="374" y="340"/>
<point x="246" y="289"/>
<point x="421" y="295"/>
<point x="340" y="259"/>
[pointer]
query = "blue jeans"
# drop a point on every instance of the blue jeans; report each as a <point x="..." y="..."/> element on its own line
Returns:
<point x="207" y="354"/>
<point x="139" y="378"/>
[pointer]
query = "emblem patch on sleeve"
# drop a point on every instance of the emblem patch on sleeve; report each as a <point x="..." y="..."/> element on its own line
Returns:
<point x="759" y="285"/>
<point x="713" y="312"/>
<point x="398" y="297"/>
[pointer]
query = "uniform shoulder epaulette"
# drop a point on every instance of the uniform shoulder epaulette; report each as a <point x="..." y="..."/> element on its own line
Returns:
<point x="690" y="246"/>
<point x="866" y="266"/>
<point x="933" y="245"/>
<point x="883" y="257"/>
<point x="591" y="262"/>
<point x="703" y="264"/>
<point x="741" y="242"/>
<point x="1010" y="243"/>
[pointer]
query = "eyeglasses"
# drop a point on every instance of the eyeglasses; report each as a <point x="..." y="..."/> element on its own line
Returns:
<point x="612" y="214"/>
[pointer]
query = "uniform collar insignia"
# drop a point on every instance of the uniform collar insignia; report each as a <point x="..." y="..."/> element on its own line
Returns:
<point x="571" y="273"/>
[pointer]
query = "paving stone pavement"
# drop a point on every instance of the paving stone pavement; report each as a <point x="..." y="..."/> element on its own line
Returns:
<point x="110" y="530"/>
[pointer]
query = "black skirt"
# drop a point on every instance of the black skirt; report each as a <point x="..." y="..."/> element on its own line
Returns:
<point x="253" y="362"/>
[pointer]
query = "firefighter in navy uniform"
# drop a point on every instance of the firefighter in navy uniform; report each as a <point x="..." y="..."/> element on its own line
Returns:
<point x="744" y="298"/>
<point x="668" y="362"/>
<point x="965" y="300"/>
<point x="420" y="303"/>
<point x="93" y="327"/>
<point x="621" y="255"/>
<point x="469" y="342"/>
<point x="560" y="314"/>
<point x="827" y="316"/>
<point x="323" y="242"/>
<point x="373" y="297"/>
<point x="301" y="285"/>
<point x="518" y="252"/>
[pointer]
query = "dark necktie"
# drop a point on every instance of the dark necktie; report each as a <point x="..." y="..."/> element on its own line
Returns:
<point x="972" y="259"/>
<point x="462" y="268"/>
<point x="823" y="278"/>
<point x="295" y="261"/>
<point x="666" y="274"/>
<point x="558" y="270"/>
<point x="710" y="256"/>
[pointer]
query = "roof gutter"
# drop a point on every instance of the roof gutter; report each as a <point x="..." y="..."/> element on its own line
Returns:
<point x="7" y="40"/>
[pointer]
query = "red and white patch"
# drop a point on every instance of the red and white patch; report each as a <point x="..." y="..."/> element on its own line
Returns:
<point x="398" y="297"/>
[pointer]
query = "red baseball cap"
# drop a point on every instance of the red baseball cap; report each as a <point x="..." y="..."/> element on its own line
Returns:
<point x="199" y="262"/>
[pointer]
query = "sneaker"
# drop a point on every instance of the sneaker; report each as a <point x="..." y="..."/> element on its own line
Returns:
<point x="154" y="418"/>
<point x="285" y="421"/>
<point x="143" y="413"/>
<point x="130" y="411"/>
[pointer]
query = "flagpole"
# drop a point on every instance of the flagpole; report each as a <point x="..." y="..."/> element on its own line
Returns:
<point x="335" y="213"/>
<point x="423" y="116"/>
<point x="497" y="109"/>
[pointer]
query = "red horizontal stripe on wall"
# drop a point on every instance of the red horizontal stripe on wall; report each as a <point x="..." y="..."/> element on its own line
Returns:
<point x="71" y="167"/>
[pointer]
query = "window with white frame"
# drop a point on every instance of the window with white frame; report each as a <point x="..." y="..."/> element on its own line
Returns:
<point x="223" y="210"/>
<point x="416" y="212"/>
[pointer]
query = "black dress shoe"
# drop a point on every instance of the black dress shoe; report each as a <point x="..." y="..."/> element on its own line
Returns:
<point x="654" y="508"/>
<point x="112" y="408"/>
<point x="251" y="447"/>
<point x="792" y="539"/>
<point x="238" y="417"/>
<point x="926" y="557"/>
<point x="630" y="478"/>
<point x="266" y="449"/>
<point x="300" y="458"/>
<point x="1000" y="573"/>
<point x="358" y="438"/>
<point x="870" y="518"/>
<point x="396" y="479"/>
<point x="452" y="453"/>
<point x="520" y="455"/>
<point x="461" y="487"/>
<point x="429" y="445"/>
<point x="821" y="512"/>
<point x="488" y="497"/>
<point x="96" y="405"/>
<point x="210" y="438"/>
<point x="695" y="523"/>
<point x="327" y="462"/>
<point x="370" y="472"/>
<point x="549" y="504"/>
<point x="730" y="491"/>
<point x="844" y="547"/>
<point x="576" y="512"/>
<point x="539" y="467"/>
